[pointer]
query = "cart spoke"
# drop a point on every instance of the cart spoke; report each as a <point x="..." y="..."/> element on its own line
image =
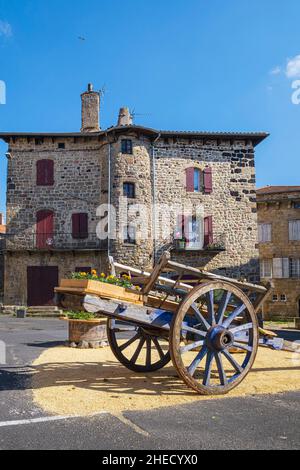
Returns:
<point x="222" y="374"/>
<point x="197" y="360"/>
<point x="148" y="354"/>
<point x="247" y="326"/>
<point x="235" y="314"/>
<point x="158" y="347"/>
<point x="232" y="361"/>
<point x="223" y="306"/>
<point x="211" y="307"/>
<point x="200" y="316"/>
<point x="132" y="340"/>
<point x="194" y="330"/>
<point x="244" y="347"/>
<point x="208" y="366"/>
<point x="190" y="347"/>
<point x="138" y="350"/>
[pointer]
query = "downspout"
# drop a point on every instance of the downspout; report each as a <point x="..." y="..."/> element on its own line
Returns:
<point x="109" y="199"/>
<point x="154" y="196"/>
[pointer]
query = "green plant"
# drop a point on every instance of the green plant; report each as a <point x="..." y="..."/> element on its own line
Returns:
<point x="123" y="281"/>
<point x="80" y="316"/>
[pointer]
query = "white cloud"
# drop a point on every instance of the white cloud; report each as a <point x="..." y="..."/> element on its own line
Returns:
<point x="276" y="71"/>
<point x="5" y="29"/>
<point x="293" y="67"/>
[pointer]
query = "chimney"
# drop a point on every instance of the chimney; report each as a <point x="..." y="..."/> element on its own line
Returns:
<point x="90" y="110"/>
<point x="125" y="118"/>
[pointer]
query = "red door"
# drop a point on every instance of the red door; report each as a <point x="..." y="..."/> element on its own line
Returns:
<point x="44" y="229"/>
<point x="41" y="281"/>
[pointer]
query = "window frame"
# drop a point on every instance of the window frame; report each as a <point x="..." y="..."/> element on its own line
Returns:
<point x="126" y="146"/>
<point x="264" y="273"/>
<point x="265" y="232"/>
<point x="294" y="231"/>
<point x="129" y="184"/>
<point x="127" y="239"/>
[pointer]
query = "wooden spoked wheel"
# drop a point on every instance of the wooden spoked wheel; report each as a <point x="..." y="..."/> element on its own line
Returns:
<point x="214" y="338"/>
<point x="138" y="349"/>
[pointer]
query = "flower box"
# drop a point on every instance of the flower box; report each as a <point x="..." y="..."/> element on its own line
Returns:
<point x="102" y="289"/>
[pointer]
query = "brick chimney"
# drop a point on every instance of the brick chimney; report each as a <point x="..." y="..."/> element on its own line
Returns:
<point x="90" y="110"/>
<point x="125" y="118"/>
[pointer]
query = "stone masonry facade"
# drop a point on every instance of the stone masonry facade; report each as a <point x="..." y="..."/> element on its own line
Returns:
<point x="91" y="168"/>
<point x="279" y="249"/>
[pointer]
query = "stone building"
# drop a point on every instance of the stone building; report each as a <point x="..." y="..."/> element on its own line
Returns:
<point x="279" y="248"/>
<point x="59" y="188"/>
<point x="2" y="247"/>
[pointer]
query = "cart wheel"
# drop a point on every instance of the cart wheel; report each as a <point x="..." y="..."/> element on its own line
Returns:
<point x="136" y="348"/>
<point x="215" y="321"/>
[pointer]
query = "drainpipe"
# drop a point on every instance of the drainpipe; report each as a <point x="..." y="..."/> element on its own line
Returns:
<point x="154" y="196"/>
<point x="109" y="199"/>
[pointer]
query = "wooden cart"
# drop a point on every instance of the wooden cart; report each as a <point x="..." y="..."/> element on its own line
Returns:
<point x="209" y="330"/>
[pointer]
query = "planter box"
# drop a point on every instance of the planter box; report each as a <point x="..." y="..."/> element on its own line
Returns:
<point x="91" y="333"/>
<point x="102" y="289"/>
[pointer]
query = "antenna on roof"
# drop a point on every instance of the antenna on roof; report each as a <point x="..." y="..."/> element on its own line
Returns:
<point x="103" y="91"/>
<point x="133" y="114"/>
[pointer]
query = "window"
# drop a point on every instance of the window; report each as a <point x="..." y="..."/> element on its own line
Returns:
<point x="295" y="268"/>
<point x="264" y="233"/>
<point x="39" y="141"/>
<point x="61" y="145"/>
<point x="266" y="268"/>
<point x="194" y="232"/>
<point x="130" y="235"/>
<point x="129" y="190"/>
<point x="44" y="229"/>
<point x="294" y="230"/>
<point x="281" y="268"/>
<point x="275" y="298"/>
<point x="198" y="181"/>
<point x="296" y="205"/>
<point x="126" y="146"/>
<point x="45" y="173"/>
<point x="80" y="226"/>
<point x="283" y="298"/>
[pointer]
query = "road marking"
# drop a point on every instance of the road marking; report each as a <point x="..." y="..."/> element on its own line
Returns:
<point x="129" y="423"/>
<point x="46" y="419"/>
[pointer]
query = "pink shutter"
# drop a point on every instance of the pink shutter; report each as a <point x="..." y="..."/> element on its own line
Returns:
<point x="190" y="180"/>
<point x="208" y="180"/>
<point x="208" y="230"/>
<point x="39" y="173"/>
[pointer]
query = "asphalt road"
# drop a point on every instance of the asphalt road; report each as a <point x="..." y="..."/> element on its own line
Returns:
<point x="232" y="423"/>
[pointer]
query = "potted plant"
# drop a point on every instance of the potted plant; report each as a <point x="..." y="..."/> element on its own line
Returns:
<point x="21" y="312"/>
<point x="86" y="330"/>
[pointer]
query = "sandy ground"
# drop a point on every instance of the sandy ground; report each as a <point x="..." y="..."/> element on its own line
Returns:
<point x="73" y="381"/>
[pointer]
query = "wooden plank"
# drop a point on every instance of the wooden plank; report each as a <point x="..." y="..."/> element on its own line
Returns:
<point x="156" y="272"/>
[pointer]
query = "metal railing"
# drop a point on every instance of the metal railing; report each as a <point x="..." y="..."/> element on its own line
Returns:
<point x="218" y="245"/>
<point x="54" y="241"/>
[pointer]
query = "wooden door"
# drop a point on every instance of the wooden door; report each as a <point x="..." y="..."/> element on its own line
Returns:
<point x="41" y="281"/>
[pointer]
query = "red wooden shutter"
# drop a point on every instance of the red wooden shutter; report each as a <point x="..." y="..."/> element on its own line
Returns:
<point x="208" y="230"/>
<point x="45" y="173"/>
<point x="49" y="172"/>
<point x="83" y="221"/>
<point x="44" y="229"/>
<point x="208" y="180"/>
<point x="190" y="180"/>
<point x="76" y="225"/>
<point x="80" y="225"/>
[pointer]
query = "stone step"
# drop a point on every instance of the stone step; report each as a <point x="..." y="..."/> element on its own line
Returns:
<point x="44" y="311"/>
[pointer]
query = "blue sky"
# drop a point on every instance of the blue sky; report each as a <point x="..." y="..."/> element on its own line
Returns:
<point x="188" y="65"/>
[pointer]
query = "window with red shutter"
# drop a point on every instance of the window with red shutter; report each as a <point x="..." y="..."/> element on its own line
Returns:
<point x="45" y="173"/>
<point x="80" y="225"/>
<point x="208" y="231"/>
<point x="207" y="180"/>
